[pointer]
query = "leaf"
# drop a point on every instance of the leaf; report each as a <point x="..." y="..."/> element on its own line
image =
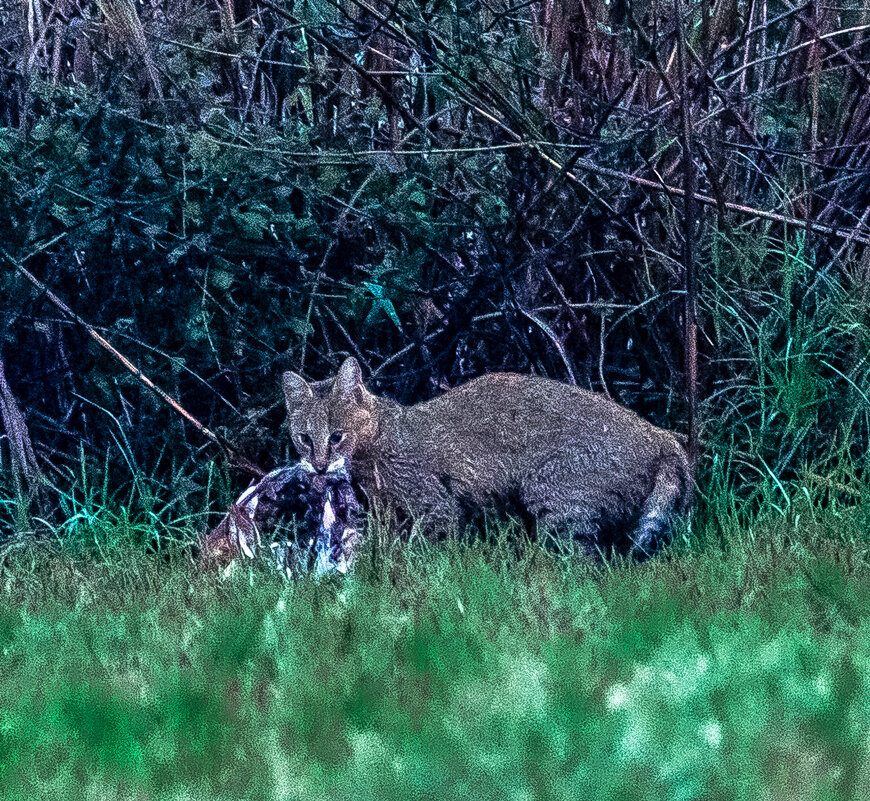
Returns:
<point x="330" y="177"/>
<point x="381" y="302"/>
<point x="63" y="214"/>
<point x="149" y="168"/>
<point x="98" y="225"/>
<point x="301" y="326"/>
<point x="221" y="279"/>
<point x="251" y="223"/>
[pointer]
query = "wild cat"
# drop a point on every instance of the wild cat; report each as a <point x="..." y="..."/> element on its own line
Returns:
<point x="569" y="459"/>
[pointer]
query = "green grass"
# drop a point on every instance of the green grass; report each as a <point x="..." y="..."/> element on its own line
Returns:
<point x="728" y="668"/>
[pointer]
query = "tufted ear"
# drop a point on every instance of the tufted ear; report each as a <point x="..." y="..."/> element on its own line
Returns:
<point x="296" y="389"/>
<point x="348" y="381"/>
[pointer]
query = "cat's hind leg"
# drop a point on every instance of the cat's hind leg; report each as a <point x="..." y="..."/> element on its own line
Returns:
<point x="654" y="524"/>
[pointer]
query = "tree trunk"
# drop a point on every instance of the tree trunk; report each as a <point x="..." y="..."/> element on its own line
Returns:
<point x="25" y="471"/>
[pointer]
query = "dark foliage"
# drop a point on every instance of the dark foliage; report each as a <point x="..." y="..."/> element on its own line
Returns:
<point x="226" y="190"/>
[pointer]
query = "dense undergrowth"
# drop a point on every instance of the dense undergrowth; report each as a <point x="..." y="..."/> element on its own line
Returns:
<point x="735" y="665"/>
<point x="228" y="190"/>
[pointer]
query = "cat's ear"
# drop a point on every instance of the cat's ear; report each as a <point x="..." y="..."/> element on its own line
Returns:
<point x="296" y="389"/>
<point x="348" y="381"/>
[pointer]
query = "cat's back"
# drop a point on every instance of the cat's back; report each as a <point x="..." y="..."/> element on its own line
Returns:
<point x="514" y="402"/>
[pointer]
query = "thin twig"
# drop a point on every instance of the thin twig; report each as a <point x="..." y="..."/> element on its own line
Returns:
<point x="690" y="284"/>
<point x="232" y="455"/>
<point x="585" y="165"/>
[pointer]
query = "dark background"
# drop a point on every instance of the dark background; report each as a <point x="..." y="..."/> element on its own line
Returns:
<point x="226" y="190"/>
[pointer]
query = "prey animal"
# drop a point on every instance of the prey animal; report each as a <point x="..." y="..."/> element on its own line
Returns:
<point x="309" y="521"/>
<point x="569" y="460"/>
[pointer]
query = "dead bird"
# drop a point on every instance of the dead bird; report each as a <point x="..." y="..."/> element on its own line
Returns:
<point x="309" y="520"/>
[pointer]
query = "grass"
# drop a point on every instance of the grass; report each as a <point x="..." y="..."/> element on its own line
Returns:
<point x="731" y="667"/>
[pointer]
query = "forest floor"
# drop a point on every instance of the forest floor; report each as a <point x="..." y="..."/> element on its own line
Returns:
<point x="718" y="670"/>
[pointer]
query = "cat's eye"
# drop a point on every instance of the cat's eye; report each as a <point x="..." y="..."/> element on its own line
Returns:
<point x="305" y="439"/>
<point x="336" y="438"/>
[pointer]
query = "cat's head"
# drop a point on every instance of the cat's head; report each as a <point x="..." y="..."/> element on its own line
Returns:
<point x="331" y="420"/>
